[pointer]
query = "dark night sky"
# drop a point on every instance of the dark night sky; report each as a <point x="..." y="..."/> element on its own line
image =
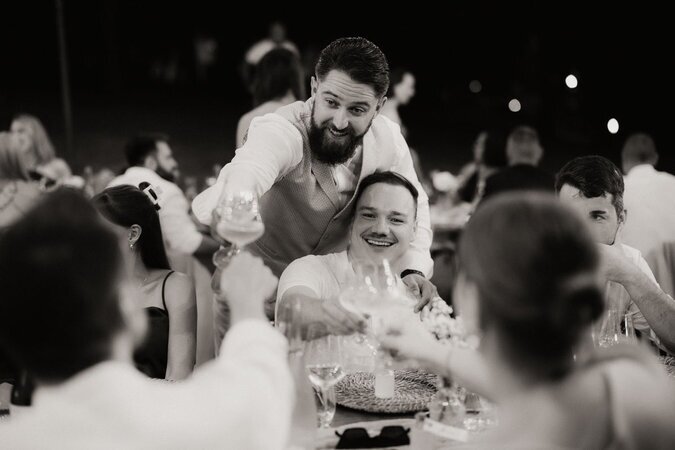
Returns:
<point x="523" y="50"/>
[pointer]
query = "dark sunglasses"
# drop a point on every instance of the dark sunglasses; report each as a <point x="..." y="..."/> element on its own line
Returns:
<point x="389" y="436"/>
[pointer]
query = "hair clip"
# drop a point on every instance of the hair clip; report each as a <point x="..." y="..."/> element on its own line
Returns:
<point x="152" y="193"/>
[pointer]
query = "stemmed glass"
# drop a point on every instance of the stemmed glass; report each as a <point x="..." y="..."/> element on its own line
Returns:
<point x="613" y="328"/>
<point x="324" y="369"/>
<point x="238" y="222"/>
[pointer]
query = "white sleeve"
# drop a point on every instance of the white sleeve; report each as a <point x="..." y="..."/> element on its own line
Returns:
<point x="306" y="272"/>
<point x="418" y="256"/>
<point x="177" y="227"/>
<point x="244" y="398"/>
<point x="272" y="149"/>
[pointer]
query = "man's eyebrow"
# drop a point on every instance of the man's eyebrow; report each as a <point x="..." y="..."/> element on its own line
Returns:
<point x="357" y="103"/>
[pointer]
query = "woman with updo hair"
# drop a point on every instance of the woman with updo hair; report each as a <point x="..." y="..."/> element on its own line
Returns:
<point x="168" y="297"/>
<point x="529" y="287"/>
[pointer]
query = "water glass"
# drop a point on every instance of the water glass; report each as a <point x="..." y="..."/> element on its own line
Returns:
<point x="324" y="364"/>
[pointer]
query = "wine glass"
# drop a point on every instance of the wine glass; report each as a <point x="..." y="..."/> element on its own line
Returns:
<point x="239" y="223"/>
<point x="324" y="369"/>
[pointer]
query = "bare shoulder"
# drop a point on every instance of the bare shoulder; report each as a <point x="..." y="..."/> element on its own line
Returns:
<point x="179" y="290"/>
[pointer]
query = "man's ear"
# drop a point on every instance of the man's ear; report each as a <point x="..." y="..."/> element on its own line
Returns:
<point x="623" y="217"/>
<point x="381" y="103"/>
<point x="314" y="85"/>
<point x="150" y="162"/>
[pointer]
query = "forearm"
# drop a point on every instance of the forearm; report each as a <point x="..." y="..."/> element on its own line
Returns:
<point x="304" y="314"/>
<point x="656" y="306"/>
<point x="465" y="366"/>
<point x="181" y="357"/>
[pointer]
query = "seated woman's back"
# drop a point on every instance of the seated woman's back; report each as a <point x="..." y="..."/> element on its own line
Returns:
<point x="622" y="400"/>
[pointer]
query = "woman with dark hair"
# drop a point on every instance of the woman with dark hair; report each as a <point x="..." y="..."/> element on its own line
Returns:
<point x="168" y="296"/>
<point x="278" y="81"/>
<point x="529" y="285"/>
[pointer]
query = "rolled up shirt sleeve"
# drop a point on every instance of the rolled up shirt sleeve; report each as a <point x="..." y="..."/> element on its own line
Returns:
<point x="273" y="147"/>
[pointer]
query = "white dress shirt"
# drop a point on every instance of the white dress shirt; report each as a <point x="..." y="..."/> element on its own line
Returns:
<point x="649" y="198"/>
<point x="274" y="147"/>
<point x="180" y="232"/>
<point x="241" y="400"/>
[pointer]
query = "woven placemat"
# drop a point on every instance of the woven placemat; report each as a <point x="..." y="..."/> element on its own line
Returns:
<point x="413" y="391"/>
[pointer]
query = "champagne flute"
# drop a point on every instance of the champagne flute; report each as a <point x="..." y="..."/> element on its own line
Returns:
<point x="325" y="370"/>
<point x="239" y="222"/>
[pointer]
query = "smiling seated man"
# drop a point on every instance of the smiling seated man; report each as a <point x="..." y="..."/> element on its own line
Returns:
<point x="594" y="187"/>
<point x="382" y="227"/>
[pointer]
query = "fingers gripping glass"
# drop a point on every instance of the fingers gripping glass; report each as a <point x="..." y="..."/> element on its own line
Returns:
<point x="390" y="436"/>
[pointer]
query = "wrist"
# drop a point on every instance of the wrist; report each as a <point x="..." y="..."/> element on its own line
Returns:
<point x="407" y="272"/>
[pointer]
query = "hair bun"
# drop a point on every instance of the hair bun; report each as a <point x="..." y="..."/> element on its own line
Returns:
<point x="579" y="302"/>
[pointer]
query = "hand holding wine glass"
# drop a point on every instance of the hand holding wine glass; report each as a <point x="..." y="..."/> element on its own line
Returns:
<point x="236" y="220"/>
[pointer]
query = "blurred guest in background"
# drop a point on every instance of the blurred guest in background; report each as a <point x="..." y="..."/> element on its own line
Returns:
<point x="489" y="157"/>
<point x="168" y="297"/>
<point x="277" y="82"/>
<point x="401" y="91"/>
<point x="42" y="156"/>
<point x="276" y="38"/>
<point x="151" y="160"/>
<point x="649" y="198"/>
<point x="18" y="192"/>
<point x="529" y="285"/>
<point x="74" y="326"/>
<point x="593" y="186"/>
<point x="523" y="153"/>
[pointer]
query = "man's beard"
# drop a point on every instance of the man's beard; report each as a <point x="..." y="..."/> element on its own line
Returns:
<point x="168" y="176"/>
<point x="329" y="150"/>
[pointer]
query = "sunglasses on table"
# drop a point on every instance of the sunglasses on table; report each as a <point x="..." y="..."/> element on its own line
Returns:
<point x="389" y="436"/>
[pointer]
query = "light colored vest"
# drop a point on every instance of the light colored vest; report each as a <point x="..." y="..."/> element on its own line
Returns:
<point x="301" y="211"/>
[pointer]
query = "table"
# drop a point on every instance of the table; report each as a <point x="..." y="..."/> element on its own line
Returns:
<point x="347" y="416"/>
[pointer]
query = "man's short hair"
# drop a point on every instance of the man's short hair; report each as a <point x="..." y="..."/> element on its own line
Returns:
<point x="522" y="146"/>
<point x="595" y="176"/>
<point x="359" y="58"/>
<point x="387" y="177"/>
<point x="142" y="145"/>
<point x="640" y="148"/>
<point x="59" y="305"/>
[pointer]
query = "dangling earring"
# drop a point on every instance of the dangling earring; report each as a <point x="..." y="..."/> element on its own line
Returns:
<point x="131" y="245"/>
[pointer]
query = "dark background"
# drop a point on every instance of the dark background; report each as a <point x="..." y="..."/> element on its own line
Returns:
<point x="524" y="50"/>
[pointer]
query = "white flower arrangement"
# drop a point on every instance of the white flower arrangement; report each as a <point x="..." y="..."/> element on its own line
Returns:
<point x="437" y="319"/>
